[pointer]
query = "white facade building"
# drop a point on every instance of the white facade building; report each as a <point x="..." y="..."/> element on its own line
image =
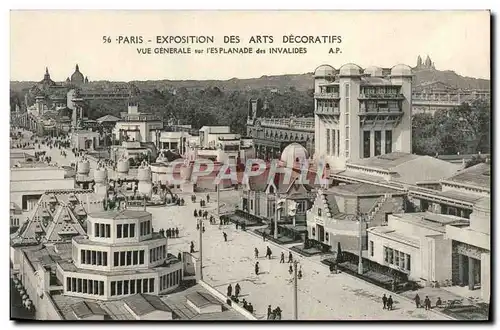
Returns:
<point x="361" y="113"/>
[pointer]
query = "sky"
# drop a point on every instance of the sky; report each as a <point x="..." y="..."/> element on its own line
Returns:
<point x="455" y="40"/>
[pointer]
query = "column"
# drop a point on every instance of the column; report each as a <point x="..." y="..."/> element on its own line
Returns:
<point x="382" y="142"/>
<point x="471" y="273"/>
<point x="461" y="270"/>
<point x="372" y="143"/>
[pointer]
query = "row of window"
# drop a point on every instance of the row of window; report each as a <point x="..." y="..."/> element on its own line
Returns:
<point x="332" y="142"/>
<point x="102" y="230"/>
<point x="89" y="257"/>
<point x="125" y="230"/>
<point x="380" y="90"/>
<point x="346" y="115"/>
<point x="157" y="253"/>
<point x="145" y="228"/>
<point x="378" y="143"/>
<point x="141" y="285"/>
<point x="128" y="258"/>
<point x="397" y="258"/>
<point x="172" y="279"/>
<point x="85" y="286"/>
<point x="14" y="222"/>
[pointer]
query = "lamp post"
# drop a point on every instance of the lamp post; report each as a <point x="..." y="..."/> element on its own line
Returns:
<point x="295" y="291"/>
<point x="360" y="259"/>
<point x="200" y="222"/>
<point x="279" y="206"/>
<point x="218" y="198"/>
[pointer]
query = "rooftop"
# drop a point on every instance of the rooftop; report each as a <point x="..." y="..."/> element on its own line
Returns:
<point x="477" y="175"/>
<point x="361" y="189"/>
<point x="84" y="309"/>
<point x="121" y="214"/>
<point x="202" y="299"/>
<point x="432" y="221"/>
<point x="143" y="304"/>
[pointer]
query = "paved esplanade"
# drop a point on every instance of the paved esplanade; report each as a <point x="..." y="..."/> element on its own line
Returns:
<point x="321" y="295"/>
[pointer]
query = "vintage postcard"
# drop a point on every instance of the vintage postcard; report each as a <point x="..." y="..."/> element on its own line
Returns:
<point x="250" y="165"/>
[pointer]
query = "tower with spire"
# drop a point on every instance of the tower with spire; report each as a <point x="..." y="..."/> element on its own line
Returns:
<point x="427" y="65"/>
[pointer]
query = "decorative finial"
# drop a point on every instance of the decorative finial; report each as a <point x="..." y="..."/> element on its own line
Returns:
<point x="77" y="69"/>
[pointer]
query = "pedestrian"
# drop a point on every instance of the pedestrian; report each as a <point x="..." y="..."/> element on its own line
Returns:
<point x="427" y="303"/>
<point x="263" y="235"/>
<point x="269" y="311"/>
<point x="389" y="303"/>
<point x="198" y="226"/>
<point x="277" y="312"/>
<point x="250" y="308"/>
<point x="225" y="236"/>
<point x="195" y="213"/>
<point x="208" y="198"/>
<point x="176" y="232"/>
<point x="237" y="290"/>
<point x="290" y="269"/>
<point x="256" y="253"/>
<point x="384" y="301"/>
<point x="439" y="302"/>
<point x="257" y="268"/>
<point x="282" y="259"/>
<point x="229" y="290"/>
<point x="179" y="256"/>
<point x="203" y="228"/>
<point x="245" y="304"/>
<point x="417" y="300"/>
<point x="269" y="253"/>
<point x="299" y="275"/>
<point x="192" y="247"/>
<point x="332" y="269"/>
<point x="290" y="257"/>
<point x="168" y="232"/>
<point x="236" y="223"/>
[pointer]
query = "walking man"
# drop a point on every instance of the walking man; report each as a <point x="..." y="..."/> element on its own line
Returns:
<point x="389" y="303"/>
<point x="269" y="311"/>
<point x="257" y="268"/>
<point x="192" y="247"/>
<point x="427" y="303"/>
<point x="229" y="290"/>
<point x="225" y="236"/>
<point x="269" y="253"/>
<point x="256" y="253"/>
<point x="177" y="232"/>
<point x="208" y="198"/>
<point x="384" y="301"/>
<point x="417" y="300"/>
<point x="282" y="259"/>
<point x="237" y="290"/>
<point x="290" y="257"/>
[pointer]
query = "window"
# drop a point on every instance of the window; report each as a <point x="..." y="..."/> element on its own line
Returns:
<point x="408" y="262"/>
<point x="396" y="258"/>
<point x="84" y="286"/>
<point x="101" y="288"/>
<point x="122" y="258"/>
<point x="113" y="288"/>
<point x="82" y="256"/>
<point x="388" y="141"/>
<point x="102" y="230"/>
<point x="125" y="286"/>
<point x="96" y="229"/>
<point x="151" y="285"/>
<point x="326" y="237"/>
<point x="125" y="230"/>
<point x="132" y="286"/>
<point x="116" y="258"/>
<point x="91" y="287"/>
<point x="119" y="288"/>
<point x="105" y="258"/>
<point x="118" y="231"/>
<point x="141" y="257"/>
<point x="145" y="285"/>
<point x="378" y="143"/>
<point x="108" y="231"/>
<point x="132" y="230"/>
<point x="79" y="285"/>
<point x="139" y="285"/>
<point x="328" y="141"/>
<point x="68" y="283"/>
<point x="94" y="258"/>
<point x="319" y="212"/>
<point x="135" y="257"/>
<point x="371" y="248"/>
<point x="129" y="258"/>
<point x="366" y="144"/>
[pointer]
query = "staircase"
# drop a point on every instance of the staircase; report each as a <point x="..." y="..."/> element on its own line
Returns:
<point x="374" y="210"/>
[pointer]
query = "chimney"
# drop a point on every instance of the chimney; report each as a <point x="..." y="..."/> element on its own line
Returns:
<point x="133" y="108"/>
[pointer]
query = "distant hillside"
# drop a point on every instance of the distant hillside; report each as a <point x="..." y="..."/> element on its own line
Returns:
<point x="300" y="82"/>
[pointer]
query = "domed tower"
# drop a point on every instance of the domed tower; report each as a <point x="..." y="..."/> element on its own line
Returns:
<point x="144" y="176"/>
<point x="101" y="181"/>
<point x="323" y="74"/>
<point x="294" y="156"/>
<point x="77" y="77"/>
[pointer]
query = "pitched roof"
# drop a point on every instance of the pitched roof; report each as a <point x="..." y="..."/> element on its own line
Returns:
<point x="64" y="224"/>
<point x="477" y="175"/>
<point x="120" y="214"/>
<point x="107" y="118"/>
<point x="143" y="304"/>
<point x="85" y="308"/>
<point x="360" y="189"/>
<point x="202" y="299"/>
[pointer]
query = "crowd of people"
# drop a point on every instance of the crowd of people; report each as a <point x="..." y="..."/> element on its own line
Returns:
<point x="170" y="232"/>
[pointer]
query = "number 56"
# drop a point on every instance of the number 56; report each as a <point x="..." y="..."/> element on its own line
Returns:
<point x="106" y="40"/>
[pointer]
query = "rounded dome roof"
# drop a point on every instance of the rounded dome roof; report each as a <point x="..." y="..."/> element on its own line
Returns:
<point x="77" y="76"/>
<point x="294" y="153"/>
<point x="401" y="70"/>
<point x="350" y="69"/>
<point x="324" y="70"/>
<point x="374" y="71"/>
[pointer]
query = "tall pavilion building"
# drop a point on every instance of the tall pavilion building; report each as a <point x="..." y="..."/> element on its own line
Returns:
<point x="361" y="113"/>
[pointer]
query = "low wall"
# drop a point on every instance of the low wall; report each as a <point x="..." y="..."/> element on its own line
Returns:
<point x="234" y="305"/>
